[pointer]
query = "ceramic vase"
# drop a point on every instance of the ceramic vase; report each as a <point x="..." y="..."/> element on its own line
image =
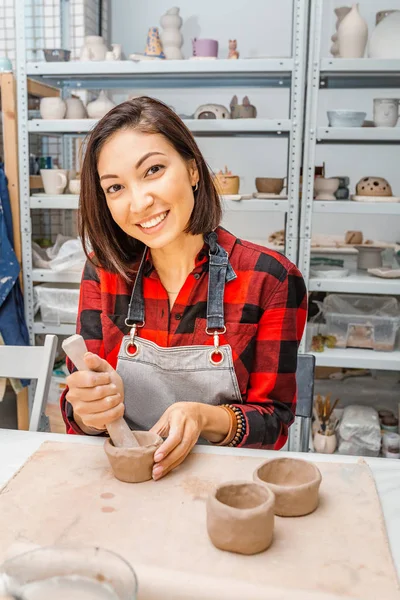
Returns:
<point x="99" y="107"/>
<point x="353" y="35"/>
<point x="171" y="36"/>
<point x="340" y="13"/>
<point x="75" y="109"/>
<point x="52" y="108"/>
<point x="382" y="14"/>
<point x="385" y="39"/>
<point x="325" y="188"/>
<point x="324" y="444"/>
<point x="94" y="48"/>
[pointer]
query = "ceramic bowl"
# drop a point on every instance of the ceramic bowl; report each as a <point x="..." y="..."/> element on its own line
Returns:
<point x="240" y="517"/>
<point x="134" y="465"/>
<point x="57" y="55"/>
<point x="325" y="188"/>
<point x="269" y="185"/>
<point x="74" y="186"/>
<point x="294" y="482"/>
<point x="346" y="118"/>
<point x="329" y="272"/>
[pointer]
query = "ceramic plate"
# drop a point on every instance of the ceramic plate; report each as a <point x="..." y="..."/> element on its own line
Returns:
<point x="269" y="196"/>
<point x="64" y="196"/>
<point x="327" y="272"/>
<point x="386" y="273"/>
<point x="375" y="198"/>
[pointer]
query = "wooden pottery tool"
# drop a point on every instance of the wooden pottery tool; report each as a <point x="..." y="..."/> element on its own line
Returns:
<point x="120" y="433"/>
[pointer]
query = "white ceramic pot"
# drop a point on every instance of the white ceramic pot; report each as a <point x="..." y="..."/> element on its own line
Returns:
<point x="386" y="112"/>
<point x="75" y="109"/>
<point x="74" y="186"/>
<point x="99" y="107"/>
<point x="171" y="36"/>
<point x="325" y="188"/>
<point x="117" y="51"/>
<point x="385" y="39"/>
<point x="94" y="48"/>
<point x="110" y="55"/>
<point x="353" y="34"/>
<point x="54" y="181"/>
<point x="325" y="444"/>
<point x="52" y="108"/>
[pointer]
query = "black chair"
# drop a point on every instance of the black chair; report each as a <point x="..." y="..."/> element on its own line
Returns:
<point x="299" y="432"/>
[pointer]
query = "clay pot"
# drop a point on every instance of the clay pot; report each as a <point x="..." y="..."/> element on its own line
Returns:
<point x="52" y="108"/>
<point x="94" y="48"/>
<point x="369" y="257"/>
<point x="269" y="185"/>
<point x="325" y="188"/>
<point x="353" y="237"/>
<point x="373" y="186"/>
<point x="99" y="107"/>
<point x="240" y="517"/>
<point x="134" y="465"/>
<point x="385" y="39"/>
<point x="294" y="482"/>
<point x="75" y="109"/>
<point x="227" y="184"/>
<point x="325" y="444"/>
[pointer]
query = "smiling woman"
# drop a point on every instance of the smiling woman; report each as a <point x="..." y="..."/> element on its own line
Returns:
<point x="192" y="332"/>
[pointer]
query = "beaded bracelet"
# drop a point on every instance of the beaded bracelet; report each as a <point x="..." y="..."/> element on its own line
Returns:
<point x="241" y="426"/>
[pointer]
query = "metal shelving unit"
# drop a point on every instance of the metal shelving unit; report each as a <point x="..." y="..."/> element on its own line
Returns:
<point x="268" y="72"/>
<point x="324" y="74"/>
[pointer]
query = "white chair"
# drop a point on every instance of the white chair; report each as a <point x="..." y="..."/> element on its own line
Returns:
<point x="32" y="362"/>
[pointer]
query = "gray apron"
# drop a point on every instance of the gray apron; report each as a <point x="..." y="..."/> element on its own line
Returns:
<point x="155" y="377"/>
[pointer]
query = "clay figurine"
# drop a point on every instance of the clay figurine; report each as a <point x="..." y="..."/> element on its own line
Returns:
<point x="154" y="48"/>
<point x="233" y="53"/>
<point x="294" y="482"/>
<point x="242" y="111"/>
<point x="240" y="517"/>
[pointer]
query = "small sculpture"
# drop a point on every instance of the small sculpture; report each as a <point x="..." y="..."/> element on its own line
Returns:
<point x="242" y="111"/>
<point x="154" y="48"/>
<point x="171" y="36"/>
<point x="233" y="53"/>
<point x="212" y="111"/>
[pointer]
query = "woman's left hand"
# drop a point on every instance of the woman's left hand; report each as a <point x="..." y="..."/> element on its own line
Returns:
<point x="182" y="422"/>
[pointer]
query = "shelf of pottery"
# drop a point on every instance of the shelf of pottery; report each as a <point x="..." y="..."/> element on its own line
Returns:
<point x="242" y="104"/>
<point x="350" y="216"/>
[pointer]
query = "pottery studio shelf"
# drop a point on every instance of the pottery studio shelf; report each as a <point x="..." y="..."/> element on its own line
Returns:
<point x="49" y="276"/>
<point x="355" y="283"/>
<point x="355" y="358"/>
<point x="351" y="207"/>
<point x="62" y="329"/>
<point x="362" y="72"/>
<point x="65" y="201"/>
<point x="197" y="126"/>
<point x="194" y="72"/>
<point x="359" y="134"/>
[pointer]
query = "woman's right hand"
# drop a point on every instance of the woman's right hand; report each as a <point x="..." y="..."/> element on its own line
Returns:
<point x="96" y="395"/>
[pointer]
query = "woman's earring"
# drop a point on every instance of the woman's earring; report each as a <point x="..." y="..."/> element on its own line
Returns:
<point x="196" y="187"/>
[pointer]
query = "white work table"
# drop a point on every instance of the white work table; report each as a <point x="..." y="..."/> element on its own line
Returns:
<point x="17" y="446"/>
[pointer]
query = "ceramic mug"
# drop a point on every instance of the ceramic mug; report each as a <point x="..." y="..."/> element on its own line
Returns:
<point x="386" y="112"/>
<point x="205" y="47"/>
<point x="54" y="181"/>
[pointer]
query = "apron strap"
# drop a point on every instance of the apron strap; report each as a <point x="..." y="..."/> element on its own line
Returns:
<point x="220" y="272"/>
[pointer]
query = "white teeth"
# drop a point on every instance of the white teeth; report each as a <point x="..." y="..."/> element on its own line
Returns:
<point x="154" y="222"/>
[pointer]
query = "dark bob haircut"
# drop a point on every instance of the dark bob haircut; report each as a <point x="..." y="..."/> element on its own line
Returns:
<point x="113" y="249"/>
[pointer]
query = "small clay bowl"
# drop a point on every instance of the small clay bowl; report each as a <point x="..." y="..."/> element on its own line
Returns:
<point x="228" y="184"/>
<point x="240" y="517"/>
<point x="134" y="465"/>
<point x="294" y="482"/>
<point x="269" y="185"/>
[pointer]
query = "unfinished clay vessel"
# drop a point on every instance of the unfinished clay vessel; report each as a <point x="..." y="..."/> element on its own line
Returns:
<point x="240" y="517"/>
<point x="373" y="186"/>
<point x="294" y="482"/>
<point x="134" y="465"/>
<point x="269" y="185"/>
<point x="227" y="183"/>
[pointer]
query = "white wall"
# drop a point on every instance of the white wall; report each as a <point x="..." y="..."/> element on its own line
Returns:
<point x="263" y="28"/>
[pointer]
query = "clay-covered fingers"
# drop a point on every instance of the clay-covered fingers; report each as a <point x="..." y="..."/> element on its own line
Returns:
<point x="174" y="450"/>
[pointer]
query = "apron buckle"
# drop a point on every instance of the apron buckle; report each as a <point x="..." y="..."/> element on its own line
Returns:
<point x="132" y="348"/>
<point x="216" y="357"/>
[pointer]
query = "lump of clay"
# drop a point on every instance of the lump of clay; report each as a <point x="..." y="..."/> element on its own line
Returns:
<point x="134" y="465"/>
<point x="240" y="517"/>
<point x="294" y="482"/>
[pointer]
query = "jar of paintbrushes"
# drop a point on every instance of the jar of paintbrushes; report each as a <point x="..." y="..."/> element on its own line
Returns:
<point x="325" y="426"/>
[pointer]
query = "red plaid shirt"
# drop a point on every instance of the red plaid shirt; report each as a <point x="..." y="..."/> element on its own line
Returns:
<point x="265" y="314"/>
